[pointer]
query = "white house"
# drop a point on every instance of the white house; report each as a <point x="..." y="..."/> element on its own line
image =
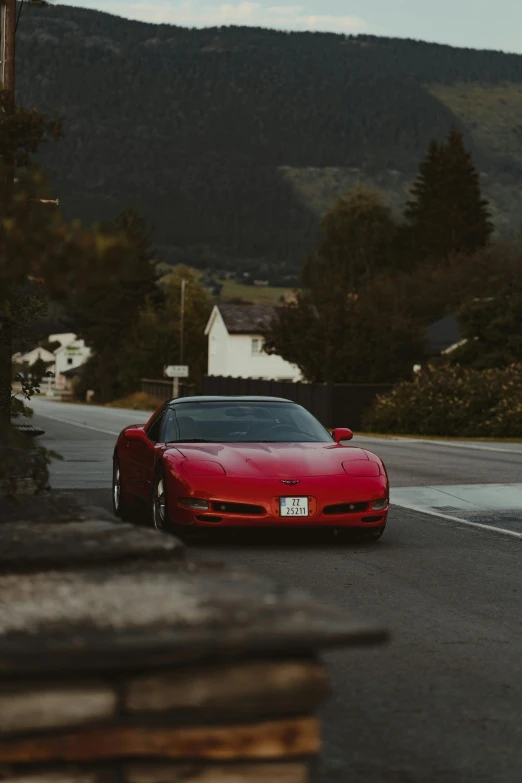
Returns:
<point x="33" y="356"/>
<point x="64" y="338"/>
<point x="69" y="357"/>
<point x="235" y="344"/>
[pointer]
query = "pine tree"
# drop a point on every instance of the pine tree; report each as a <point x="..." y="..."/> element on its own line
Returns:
<point x="447" y="214"/>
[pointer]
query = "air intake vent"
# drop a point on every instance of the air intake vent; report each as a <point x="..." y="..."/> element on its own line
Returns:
<point x="346" y="508"/>
<point x="244" y="509"/>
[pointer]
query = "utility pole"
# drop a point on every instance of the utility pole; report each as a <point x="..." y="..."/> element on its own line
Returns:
<point x="182" y="320"/>
<point x="7" y="47"/>
<point x="7" y="79"/>
<point x="175" y="382"/>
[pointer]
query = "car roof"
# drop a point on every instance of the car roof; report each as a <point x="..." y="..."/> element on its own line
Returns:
<point x="238" y="398"/>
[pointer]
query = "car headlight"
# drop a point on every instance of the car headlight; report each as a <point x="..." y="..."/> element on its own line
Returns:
<point x="379" y="505"/>
<point x="195" y="503"/>
<point x="362" y="468"/>
<point x="202" y="467"/>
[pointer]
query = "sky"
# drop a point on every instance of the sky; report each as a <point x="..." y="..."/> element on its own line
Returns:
<point x="480" y="24"/>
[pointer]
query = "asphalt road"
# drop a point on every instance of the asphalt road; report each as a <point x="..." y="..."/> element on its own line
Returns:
<point x="442" y="703"/>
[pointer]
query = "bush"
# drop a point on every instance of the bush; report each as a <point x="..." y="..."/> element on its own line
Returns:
<point x="452" y="401"/>
<point x="139" y="401"/>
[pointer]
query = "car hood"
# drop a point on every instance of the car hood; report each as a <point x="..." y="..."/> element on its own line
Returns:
<point x="275" y="460"/>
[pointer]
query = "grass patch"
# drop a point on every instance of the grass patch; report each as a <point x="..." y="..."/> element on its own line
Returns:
<point x="252" y="293"/>
<point x="460" y="439"/>
<point x="139" y="401"/>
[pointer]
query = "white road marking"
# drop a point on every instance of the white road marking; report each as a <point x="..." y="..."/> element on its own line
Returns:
<point x="78" y="424"/>
<point x="466" y="522"/>
<point x="517" y="447"/>
<point x="467" y="497"/>
<point x="486" y="498"/>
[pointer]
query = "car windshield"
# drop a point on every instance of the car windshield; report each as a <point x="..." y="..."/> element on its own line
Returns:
<point x="236" y="422"/>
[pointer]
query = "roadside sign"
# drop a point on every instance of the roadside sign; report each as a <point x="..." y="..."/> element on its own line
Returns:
<point x="176" y="371"/>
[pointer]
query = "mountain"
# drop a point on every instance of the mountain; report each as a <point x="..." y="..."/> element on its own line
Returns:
<point x="233" y="141"/>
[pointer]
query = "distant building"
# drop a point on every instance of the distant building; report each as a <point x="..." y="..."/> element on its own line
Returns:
<point x="63" y="338"/>
<point x="31" y="357"/>
<point x="235" y="344"/>
<point x="68" y="359"/>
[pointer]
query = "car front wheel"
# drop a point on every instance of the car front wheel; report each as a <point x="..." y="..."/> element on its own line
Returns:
<point x="160" y="517"/>
<point x="118" y="500"/>
<point x="374" y="534"/>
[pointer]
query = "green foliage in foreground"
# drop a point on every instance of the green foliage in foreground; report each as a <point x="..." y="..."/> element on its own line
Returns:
<point x="453" y="401"/>
<point x="23" y="464"/>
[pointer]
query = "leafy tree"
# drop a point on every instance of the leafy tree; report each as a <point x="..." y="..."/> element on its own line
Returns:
<point x="447" y="214"/>
<point x="22" y="133"/>
<point x="492" y="328"/>
<point x="35" y="243"/>
<point x="349" y="322"/>
<point x="106" y="308"/>
<point x="359" y="234"/>
<point x="154" y="340"/>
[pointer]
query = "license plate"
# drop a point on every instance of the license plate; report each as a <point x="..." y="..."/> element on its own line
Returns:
<point x="293" y="507"/>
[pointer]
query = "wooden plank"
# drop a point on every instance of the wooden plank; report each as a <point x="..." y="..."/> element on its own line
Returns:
<point x="55" y="776"/>
<point x="236" y="773"/>
<point x="148" y="615"/>
<point x="270" y="740"/>
<point x="40" y="509"/>
<point x="25" y="546"/>
<point x="34" y="708"/>
<point x="251" y="688"/>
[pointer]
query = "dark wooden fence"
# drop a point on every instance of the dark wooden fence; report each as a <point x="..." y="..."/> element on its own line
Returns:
<point x="162" y="390"/>
<point x="341" y="405"/>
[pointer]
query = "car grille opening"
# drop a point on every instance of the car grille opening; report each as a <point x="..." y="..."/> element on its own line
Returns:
<point x="246" y="509"/>
<point x="208" y="518"/>
<point x="372" y="519"/>
<point x="346" y="508"/>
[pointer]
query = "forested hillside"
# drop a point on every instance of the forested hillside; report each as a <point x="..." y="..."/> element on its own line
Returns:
<point x="234" y="141"/>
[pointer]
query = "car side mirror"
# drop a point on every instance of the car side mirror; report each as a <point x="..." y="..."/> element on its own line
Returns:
<point x="135" y="433"/>
<point x="342" y="433"/>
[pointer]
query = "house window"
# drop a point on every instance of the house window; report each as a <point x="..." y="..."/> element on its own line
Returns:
<point x="257" y="346"/>
<point x="69" y="361"/>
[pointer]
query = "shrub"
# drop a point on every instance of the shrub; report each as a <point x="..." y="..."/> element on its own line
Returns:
<point x="452" y="401"/>
<point x="139" y="401"/>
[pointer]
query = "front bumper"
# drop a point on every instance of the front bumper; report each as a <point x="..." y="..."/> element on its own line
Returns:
<point x="263" y="494"/>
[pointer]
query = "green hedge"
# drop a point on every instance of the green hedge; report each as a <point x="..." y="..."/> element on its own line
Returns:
<point x="452" y="401"/>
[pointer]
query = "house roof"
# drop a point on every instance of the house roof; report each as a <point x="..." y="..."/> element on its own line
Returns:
<point x="443" y="333"/>
<point x="246" y="319"/>
<point x="72" y="371"/>
<point x="32" y="356"/>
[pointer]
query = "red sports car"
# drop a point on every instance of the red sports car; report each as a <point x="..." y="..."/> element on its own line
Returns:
<point x="228" y="462"/>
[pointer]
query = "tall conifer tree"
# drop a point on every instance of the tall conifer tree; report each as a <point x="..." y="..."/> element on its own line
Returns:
<point x="447" y="213"/>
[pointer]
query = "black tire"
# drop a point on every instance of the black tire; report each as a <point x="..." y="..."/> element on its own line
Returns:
<point x="159" y="510"/>
<point x="375" y="533"/>
<point x="119" y="507"/>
